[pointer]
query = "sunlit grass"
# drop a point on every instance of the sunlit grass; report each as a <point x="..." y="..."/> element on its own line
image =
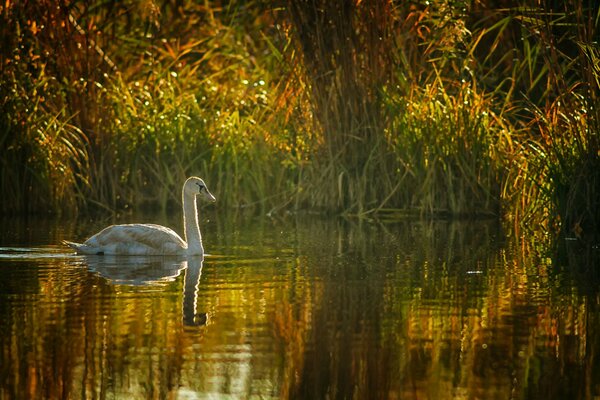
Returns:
<point x="447" y="145"/>
<point x="377" y="110"/>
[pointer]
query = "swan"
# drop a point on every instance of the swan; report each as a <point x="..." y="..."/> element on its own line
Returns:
<point x="151" y="239"/>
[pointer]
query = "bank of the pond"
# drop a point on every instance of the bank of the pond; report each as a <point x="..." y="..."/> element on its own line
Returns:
<point x="425" y="107"/>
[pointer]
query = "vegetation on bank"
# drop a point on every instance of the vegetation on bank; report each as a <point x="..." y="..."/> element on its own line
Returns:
<point x="371" y="107"/>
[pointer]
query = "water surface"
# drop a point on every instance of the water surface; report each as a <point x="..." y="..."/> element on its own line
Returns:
<point x="299" y="307"/>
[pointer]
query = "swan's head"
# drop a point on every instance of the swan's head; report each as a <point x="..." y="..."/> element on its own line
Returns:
<point x="196" y="186"/>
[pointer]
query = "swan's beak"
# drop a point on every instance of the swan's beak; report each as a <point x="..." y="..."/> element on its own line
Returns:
<point x="210" y="197"/>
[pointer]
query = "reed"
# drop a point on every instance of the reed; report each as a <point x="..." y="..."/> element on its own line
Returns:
<point x="397" y="133"/>
<point x="343" y="54"/>
<point x="446" y="142"/>
<point x="371" y="108"/>
<point x="475" y="110"/>
<point x="44" y="150"/>
<point x="543" y="61"/>
<point x="141" y="99"/>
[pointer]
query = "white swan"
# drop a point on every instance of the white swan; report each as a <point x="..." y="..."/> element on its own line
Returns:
<point x="150" y="239"/>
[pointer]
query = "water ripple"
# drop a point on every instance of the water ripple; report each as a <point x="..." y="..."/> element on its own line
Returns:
<point x="36" y="253"/>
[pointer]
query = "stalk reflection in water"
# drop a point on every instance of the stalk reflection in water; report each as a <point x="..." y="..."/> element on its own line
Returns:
<point x="306" y="308"/>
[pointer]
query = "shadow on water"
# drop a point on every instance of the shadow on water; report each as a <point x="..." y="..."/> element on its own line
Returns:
<point x="302" y="308"/>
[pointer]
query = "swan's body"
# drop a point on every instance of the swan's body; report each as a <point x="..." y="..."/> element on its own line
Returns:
<point x="150" y="239"/>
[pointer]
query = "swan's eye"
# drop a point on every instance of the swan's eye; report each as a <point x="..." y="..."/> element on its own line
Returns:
<point x="200" y="186"/>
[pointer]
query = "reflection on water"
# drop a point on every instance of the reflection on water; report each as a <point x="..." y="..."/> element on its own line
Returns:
<point x="305" y="308"/>
<point x="137" y="270"/>
<point x="154" y="271"/>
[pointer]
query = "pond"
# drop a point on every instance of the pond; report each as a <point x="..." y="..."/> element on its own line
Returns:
<point x="297" y="307"/>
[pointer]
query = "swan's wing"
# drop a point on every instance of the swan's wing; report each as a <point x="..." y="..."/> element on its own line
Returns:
<point x="136" y="239"/>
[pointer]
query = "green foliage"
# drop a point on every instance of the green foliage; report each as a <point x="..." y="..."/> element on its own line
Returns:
<point x="44" y="159"/>
<point x="371" y="108"/>
<point x="552" y="97"/>
<point x="144" y="104"/>
<point x="446" y="142"/>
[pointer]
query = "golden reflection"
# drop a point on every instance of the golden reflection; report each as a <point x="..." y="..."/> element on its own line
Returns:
<point x="316" y="309"/>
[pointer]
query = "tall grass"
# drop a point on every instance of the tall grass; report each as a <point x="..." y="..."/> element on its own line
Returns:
<point x="374" y="107"/>
<point x="455" y="108"/>
<point x="344" y="47"/>
<point x="142" y="103"/>
<point x="548" y="76"/>
<point x="44" y="151"/>
<point x="398" y="134"/>
<point x="446" y="141"/>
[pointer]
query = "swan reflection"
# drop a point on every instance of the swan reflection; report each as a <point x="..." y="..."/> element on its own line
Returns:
<point x="154" y="271"/>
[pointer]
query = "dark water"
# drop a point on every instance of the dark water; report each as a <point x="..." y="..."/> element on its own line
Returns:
<point x="300" y="307"/>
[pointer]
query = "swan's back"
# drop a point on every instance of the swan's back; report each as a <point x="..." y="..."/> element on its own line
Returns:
<point x="133" y="239"/>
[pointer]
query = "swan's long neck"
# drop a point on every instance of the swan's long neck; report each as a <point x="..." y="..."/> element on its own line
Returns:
<point x="191" y="229"/>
